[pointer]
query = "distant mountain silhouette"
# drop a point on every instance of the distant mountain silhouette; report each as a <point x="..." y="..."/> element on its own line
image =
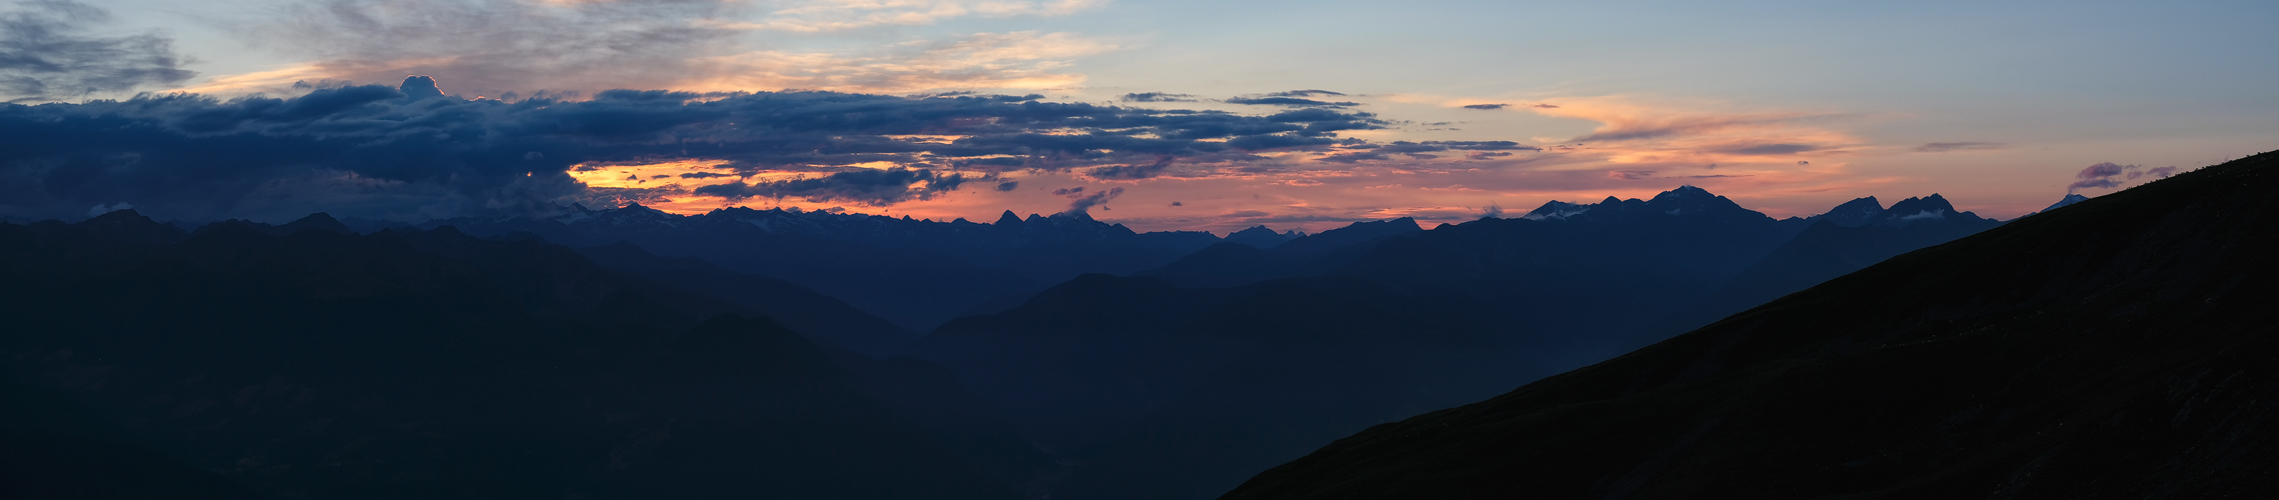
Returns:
<point x="1099" y="369"/>
<point x="1848" y="238"/>
<point x="1236" y="264"/>
<point x="2069" y="199"/>
<point x="424" y="364"/>
<point x="1855" y="213"/>
<point x="1216" y="359"/>
<point x="1261" y="237"/>
<point x="914" y="273"/>
<point x="2119" y="348"/>
<point x="1570" y="283"/>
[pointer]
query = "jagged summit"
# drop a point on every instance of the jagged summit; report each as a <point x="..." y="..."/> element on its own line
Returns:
<point x="1855" y="213"/>
<point x="1683" y="192"/>
<point x="1682" y="201"/>
<point x="1928" y="208"/>
<point x="1556" y="209"/>
<point x="1924" y="206"/>
<point x="1261" y="236"/>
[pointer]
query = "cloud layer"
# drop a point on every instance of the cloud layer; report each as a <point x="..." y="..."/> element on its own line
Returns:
<point x="48" y="53"/>
<point x="2109" y="175"/>
<point x="407" y="152"/>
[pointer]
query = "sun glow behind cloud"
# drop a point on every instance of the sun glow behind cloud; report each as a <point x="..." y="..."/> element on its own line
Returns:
<point x="1419" y="153"/>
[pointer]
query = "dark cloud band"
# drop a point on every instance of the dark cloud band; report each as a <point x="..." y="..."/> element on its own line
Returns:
<point x="376" y="151"/>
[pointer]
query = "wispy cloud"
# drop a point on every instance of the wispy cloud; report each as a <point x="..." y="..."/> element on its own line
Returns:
<point x="48" y="51"/>
<point x="841" y="15"/>
<point x="1019" y="60"/>
<point x="491" y="47"/>
<point x="1942" y="147"/>
<point x="1158" y="97"/>
<point x="2109" y="175"/>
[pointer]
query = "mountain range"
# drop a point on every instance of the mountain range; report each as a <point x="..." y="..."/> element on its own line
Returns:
<point x="914" y="273"/>
<point x="2117" y="348"/>
<point x="1038" y="357"/>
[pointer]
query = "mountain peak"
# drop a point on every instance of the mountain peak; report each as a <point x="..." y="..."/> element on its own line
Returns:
<point x="1685" y="191"/>
<point x="1556" y="209"/>
<point x="319" y="221"/>
<point x="1258" y="230"/>
<point x="2070" y="199"/>
<point x="1916" y="207"/>
<point x="1855" y="213"/>
<point x="1009" y="219"/>
<point x="126" y="224"/>
<point x="1260" y="236"/>
<point x="1689" y="200"/>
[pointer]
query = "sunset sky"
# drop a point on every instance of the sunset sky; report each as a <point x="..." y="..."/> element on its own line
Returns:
<point x="1202" y="115"/>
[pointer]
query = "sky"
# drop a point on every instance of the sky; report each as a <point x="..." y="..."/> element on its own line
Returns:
<point x="1159" y="115"/>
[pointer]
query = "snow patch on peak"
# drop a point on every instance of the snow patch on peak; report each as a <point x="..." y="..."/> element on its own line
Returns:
<point x="1926" y="214"/>
<point x="1557" y="210"/>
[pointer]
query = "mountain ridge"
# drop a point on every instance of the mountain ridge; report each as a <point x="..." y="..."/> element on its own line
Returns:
<point x="2110" y="350"/>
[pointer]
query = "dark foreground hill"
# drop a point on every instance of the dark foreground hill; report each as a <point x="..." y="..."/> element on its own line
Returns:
<point x="2119" y="348"/>
<point x="415" y="364"/>
<point x="1154" y="392"/>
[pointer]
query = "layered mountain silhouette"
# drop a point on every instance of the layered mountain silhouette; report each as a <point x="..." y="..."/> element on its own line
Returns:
<point x="1099" y="370"/>
<point x="628" y="346"/>
<point x="1568" y="284"/>
<point x="914" y="273"/>
<point x="1848" y="238"/>
<point x="1236" y="263"/>
<point x="2114" y="349"/>
<point x="317" y="363"/>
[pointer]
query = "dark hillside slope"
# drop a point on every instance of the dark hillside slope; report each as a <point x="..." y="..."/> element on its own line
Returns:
<point x="51" y="447"/>
<point x="410" y="364"/>
<point x="797" y="307"/>
<point x="1570" y="287"/>
<point x="1826" y="250"/>
<point x="1150" y="391"/>
<point x="2120" y="348"/>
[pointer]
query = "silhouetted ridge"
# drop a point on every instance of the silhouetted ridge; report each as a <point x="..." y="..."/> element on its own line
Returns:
<point x="1236" y="264"/>
<point x="1685" y="201"/>
<point x="915" y="273"/>
<point x="1260" y="236"/>
<point x="319" y="221"/>
<point x="1855" y="213"/>
<point x="130" y="227"/>
<point x="1355" y="233"/>
<point x="2118" y="349"/>
<point x="1913" y="209"/>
